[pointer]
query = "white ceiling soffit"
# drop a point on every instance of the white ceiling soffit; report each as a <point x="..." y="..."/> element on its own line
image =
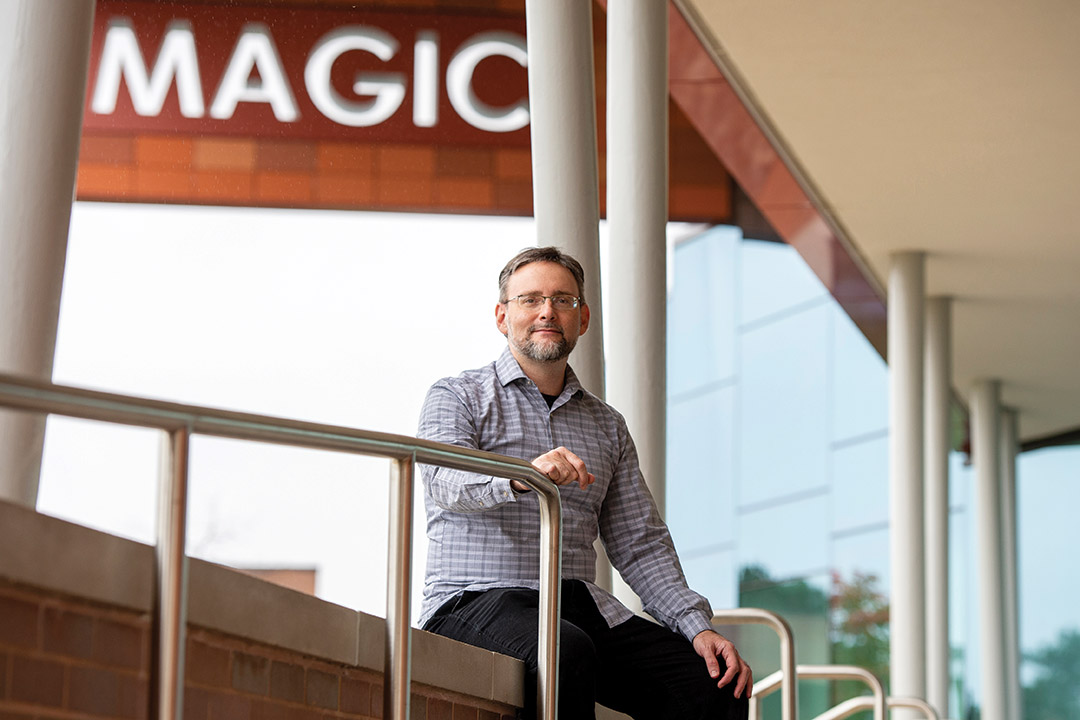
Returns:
<point x="950" y="128"/>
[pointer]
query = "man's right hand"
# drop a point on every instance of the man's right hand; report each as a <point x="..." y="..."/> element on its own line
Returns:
<point x="562" y="467"/>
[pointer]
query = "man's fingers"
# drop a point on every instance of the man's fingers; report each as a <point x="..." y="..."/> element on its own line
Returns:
<point x="714" y="667"/>
<point x="734" y="666"/>
<point x="728" y="675"/>
<point x="577" y="470"/>
<point x="745" y="681"/>
<point x="710" y="645"/>
<point x="563" y="467"/>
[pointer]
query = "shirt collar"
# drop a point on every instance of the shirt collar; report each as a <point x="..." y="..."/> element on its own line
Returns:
<point x="507" y="370"/>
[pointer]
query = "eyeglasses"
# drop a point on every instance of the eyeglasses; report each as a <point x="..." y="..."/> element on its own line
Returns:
<point x="535" y="302"/>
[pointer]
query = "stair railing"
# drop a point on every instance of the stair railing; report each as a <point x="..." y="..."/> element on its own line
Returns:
<point x="875" y="702"/>
<point x="180" y="422"/>
<point x="866" y="702"/>
<point x="785" y="677"/>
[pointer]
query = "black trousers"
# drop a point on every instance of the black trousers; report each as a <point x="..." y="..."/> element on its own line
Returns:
<point x="638" y="668"/>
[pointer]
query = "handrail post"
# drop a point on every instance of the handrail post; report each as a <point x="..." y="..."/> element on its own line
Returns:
<point x="170" y="619"/>
<point x="850" y="672"/>
<point x="789" y="701"/>
<point x="398" y="660"/>
<point x="547" y="687"/>
<point x="762" y="689"/>
<point x="914" y="703"/>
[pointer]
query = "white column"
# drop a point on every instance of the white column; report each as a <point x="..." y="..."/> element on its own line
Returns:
<point x="562" y="106"/>
<point x="637" y="210"/>
<point x="938" y="392"/>
<point x="1009" y="447"/>
<point x="907" y="631"/>
<point x="44" y="53"/>
<point x="985" y="434"/>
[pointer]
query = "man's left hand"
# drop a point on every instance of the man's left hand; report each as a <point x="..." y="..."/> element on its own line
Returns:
<point x="710" y="645"/>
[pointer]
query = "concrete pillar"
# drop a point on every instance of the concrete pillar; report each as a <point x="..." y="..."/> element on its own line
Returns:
<point x="44" y="54"/>
<point x="985" y="436"/>
<point x="937" y="396"/>
<point x="562" y="106"/>
<point x="907" y="634"/>
<point x="637" y="210"/>
<point x="1009" y="446"/>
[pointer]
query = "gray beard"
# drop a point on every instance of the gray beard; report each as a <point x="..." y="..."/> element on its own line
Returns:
<point x="544" y="353"/>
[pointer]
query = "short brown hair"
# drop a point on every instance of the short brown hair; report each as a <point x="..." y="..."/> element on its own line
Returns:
<point x="542" y="254"/>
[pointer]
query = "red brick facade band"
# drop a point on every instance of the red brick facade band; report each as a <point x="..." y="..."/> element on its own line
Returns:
<point x="471" y="173"/>
<point x="64" y="658"/>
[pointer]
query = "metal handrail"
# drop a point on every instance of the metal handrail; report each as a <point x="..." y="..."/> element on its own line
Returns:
<point x="849" y="672"/>
<point x="789" y="687"/>
<point x="825" y="672"/>
<point x="865" y="702"/>
<point x="180" y="422"/>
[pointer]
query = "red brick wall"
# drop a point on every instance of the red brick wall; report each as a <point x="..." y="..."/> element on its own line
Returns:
<point x="305" y="174"/>
<point x="64" y="658"/>
<point x="59" y="658"/>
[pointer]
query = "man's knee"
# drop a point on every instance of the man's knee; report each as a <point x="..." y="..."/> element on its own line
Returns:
<point x="578" y="669"/>
<point x="577" y="655"/>
<point x="697" y="697"/>
<point x="721" y="703"/>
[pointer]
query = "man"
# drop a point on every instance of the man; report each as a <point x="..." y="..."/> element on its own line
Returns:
<point x="483" y="554"/>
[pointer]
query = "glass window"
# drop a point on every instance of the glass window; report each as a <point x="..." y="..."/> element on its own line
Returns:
<point x="860" y="484"/>
<point x="1048" y="493"/>
<point x="783" y="407"/>
<point x="701" y="314"/>
<point x="860" y="382"/>
<point x="700" y="470"/>
<point x="862" y="554"/>
<point x="713" y="575"/>
<point x="788" y="539"/>
<point x="963" y="629"/>
<point x="804" y="603"/>
<point x="774" y="278"/>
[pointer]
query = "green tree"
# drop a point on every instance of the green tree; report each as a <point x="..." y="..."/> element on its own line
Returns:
<point x="858" y="622"/>
<point x="859" y="627"/>
<point x="1055" y="692"/>
<point x="759" y="589"/>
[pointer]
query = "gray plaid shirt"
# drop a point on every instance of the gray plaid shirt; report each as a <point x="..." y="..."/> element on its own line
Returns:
<point x="483" y="535"/>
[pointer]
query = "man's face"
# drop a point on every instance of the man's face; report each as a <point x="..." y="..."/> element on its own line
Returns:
<point x="541" y="334"/>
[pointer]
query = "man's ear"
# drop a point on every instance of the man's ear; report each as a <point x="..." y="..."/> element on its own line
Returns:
<point x="584" y="319"/>
<point x="500" y="317"/>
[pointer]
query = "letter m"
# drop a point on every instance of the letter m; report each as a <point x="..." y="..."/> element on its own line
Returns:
<point x="121" y="57"/>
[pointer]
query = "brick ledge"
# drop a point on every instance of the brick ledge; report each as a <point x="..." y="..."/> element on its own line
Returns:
<point x="59" y="556"/>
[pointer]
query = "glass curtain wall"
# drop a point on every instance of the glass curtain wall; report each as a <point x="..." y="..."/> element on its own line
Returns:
<point x="777" y="484"/>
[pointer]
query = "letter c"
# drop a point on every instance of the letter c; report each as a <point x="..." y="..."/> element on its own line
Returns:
<point x="459" y="75"/>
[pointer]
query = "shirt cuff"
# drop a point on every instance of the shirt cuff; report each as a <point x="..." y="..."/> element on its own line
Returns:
<point x="693" y="623"/>
<point x="503" y="490"/>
